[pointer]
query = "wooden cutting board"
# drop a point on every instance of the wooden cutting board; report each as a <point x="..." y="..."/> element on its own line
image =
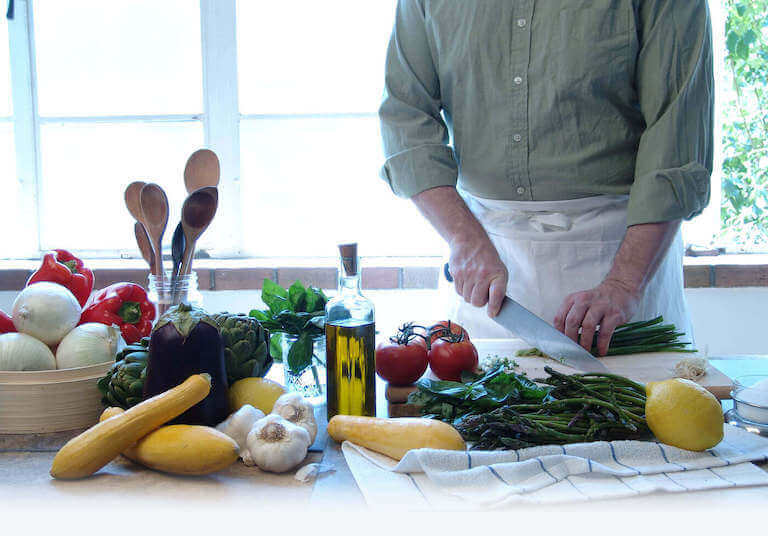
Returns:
<point x="642" y="368"/>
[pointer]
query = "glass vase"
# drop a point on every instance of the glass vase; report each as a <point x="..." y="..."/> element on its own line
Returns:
<point x="311" y="381"/>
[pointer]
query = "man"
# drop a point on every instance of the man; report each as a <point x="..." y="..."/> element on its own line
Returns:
<point x="581" y="137"/>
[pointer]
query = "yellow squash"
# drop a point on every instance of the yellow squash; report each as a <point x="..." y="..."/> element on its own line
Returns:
<point x="96" y="447"/>
<point x="395" y="437"/>
<point x="181" y="449"/>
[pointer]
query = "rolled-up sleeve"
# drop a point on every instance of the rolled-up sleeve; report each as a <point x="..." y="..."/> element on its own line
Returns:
<point x="675" y="88"/>
<point x="414" y="134"/>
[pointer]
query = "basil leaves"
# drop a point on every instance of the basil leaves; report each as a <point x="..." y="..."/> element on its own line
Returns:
<point x="297" y="312"/>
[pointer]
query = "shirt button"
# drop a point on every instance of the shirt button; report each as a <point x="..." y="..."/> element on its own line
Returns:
<point x="521" y="23"/>
<point x="520" y="190"/>
<point x="518" y="80"/>
<point x="517" y="137"/>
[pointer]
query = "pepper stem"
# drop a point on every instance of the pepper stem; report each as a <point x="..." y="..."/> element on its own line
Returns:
<point x="130" y="312"/>
<point x="72" y="265"/>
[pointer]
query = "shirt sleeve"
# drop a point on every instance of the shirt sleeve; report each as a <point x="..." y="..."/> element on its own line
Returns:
<point x="675" y="88"/>
<point x="413" y="131"/>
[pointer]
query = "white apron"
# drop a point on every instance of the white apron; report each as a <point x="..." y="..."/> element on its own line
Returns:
<point x="554" y="248"/>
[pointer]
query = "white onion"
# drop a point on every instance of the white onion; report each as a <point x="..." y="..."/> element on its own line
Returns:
<point x="88" y="344"/>
<point x="46" y="311"/>
<point x="22" y="352"/>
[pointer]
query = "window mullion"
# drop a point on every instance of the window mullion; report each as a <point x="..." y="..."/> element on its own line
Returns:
<point x="222" y="119"/>
<point x="26" y="126"/>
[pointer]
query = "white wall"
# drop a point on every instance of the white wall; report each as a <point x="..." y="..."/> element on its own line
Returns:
<point x="726" y="321"/>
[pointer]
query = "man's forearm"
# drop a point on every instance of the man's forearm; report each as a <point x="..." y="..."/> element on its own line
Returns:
<point x="479" y="275"/>
<point x="444" y="208"/>
<point x="642" y="250"/>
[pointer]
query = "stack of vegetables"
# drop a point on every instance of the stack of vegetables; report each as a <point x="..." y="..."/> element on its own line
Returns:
<point x="57" y="323"/>
<point x="229" y="351"/>
<point x="178" y="430"/>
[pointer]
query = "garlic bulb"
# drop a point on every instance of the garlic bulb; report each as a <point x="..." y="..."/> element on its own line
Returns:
<point x="239" y="424"/>
<point x="293" y="407"/>
<point x="277" y="445"/>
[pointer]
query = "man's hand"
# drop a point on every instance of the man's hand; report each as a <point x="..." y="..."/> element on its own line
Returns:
<point x="477" y="270"/>
<point x="478" y="273"/>
<point x="617" y="298"/>
<point x="608" y="305"/>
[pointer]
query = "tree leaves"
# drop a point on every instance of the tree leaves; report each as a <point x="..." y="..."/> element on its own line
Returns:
<point x="744" y="207"/>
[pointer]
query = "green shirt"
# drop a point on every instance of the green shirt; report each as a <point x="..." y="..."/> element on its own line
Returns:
<point x="550" y="100"/>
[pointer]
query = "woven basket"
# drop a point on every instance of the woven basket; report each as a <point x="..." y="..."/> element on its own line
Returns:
<point x="36" y="402"/>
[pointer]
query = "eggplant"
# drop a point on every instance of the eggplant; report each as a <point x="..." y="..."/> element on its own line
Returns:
<point x="186" y="341"/>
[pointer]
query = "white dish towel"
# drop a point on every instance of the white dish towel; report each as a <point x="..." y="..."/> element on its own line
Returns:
<point x="428" y="478"/>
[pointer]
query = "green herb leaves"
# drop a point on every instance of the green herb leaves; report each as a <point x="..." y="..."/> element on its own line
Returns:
<point x="447" y="400"/>
<point x="298" y="312"/>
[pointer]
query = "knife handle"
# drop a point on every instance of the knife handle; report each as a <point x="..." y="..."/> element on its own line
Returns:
<point x="447" y="273"/>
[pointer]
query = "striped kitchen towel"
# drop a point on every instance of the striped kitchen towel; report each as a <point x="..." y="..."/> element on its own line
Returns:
<point x="427" y="478"/>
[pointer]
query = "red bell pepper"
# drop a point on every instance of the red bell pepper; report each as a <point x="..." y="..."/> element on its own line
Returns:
<point x="125" y="305"/>
<point x="60" y="266"/>
<point x="6" y="324"/>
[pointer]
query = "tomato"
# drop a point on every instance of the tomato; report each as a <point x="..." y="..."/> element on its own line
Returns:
<point x="441" y="328"/>
<point x="401" y="364"/>
<point x="449" y="359"/>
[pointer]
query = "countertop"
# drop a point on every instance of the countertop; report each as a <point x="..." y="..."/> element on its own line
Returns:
<point x="26" y="459"/>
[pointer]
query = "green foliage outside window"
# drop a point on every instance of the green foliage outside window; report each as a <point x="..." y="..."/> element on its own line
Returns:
<point x="744" y="209"/>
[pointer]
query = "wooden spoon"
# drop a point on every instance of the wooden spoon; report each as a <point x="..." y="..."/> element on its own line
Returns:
<point x="196" y="214"/>
<point x="154" y="210"/>
<point x="202" y="170"/>
<point x="132" y="199"/>
<point x="144" y="246"/>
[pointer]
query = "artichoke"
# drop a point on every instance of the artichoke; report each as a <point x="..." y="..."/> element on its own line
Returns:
<point x="124" y="382"/>
<point x="246" y="346"/>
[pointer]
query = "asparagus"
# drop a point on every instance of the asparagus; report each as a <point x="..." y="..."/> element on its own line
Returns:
<point x="581" y="407"/>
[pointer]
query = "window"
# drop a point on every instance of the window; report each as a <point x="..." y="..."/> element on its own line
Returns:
<point x="310" y="80"/>
<point x="8" y="180"/>
<point x="102" y="93"/>
<point x="119" y="97"/>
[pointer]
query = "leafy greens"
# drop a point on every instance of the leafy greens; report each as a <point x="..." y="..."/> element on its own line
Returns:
<point x="475" y="393"/>
<point x="298" y="312"/>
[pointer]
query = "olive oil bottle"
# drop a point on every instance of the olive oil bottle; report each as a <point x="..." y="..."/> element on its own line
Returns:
<point x="350" y="343"/>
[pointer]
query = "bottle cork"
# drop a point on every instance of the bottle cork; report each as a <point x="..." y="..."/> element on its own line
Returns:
<point x="349" y="259"/>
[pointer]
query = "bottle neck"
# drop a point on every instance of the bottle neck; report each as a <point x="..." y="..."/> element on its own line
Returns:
<point x="349" y="285"/>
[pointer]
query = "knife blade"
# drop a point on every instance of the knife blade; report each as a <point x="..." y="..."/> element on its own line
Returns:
<point x="546" y="338"/>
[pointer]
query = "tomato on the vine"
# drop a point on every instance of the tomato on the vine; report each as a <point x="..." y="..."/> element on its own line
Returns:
<point x="449" y="359"/>
<point x="403" y="358"/>
<point x="446" y="327"/>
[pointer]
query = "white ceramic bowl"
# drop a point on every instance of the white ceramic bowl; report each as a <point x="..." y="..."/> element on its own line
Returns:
<point x="750" y="398"/>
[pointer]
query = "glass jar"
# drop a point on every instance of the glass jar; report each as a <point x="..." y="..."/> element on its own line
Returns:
<point x="310" y="382"/>
<point x="168" y="291"/>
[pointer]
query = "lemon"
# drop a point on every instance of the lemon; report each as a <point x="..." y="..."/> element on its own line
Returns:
<point x="258" y="392"/>
<point x="683" y="414"/>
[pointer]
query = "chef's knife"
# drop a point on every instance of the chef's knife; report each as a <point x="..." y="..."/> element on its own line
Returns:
<point x="541" y="335"/>
<point x="546" y="338"/>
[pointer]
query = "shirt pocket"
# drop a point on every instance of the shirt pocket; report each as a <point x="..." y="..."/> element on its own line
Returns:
<point x="594" y="44"/>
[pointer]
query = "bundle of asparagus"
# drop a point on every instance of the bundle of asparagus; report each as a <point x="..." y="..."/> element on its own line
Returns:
<point x="579" y="408"/>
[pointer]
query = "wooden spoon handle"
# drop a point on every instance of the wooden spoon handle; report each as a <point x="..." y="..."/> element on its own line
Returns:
<point x="146" y="249"/>
<point x="186" y="261"/>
